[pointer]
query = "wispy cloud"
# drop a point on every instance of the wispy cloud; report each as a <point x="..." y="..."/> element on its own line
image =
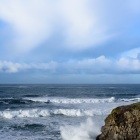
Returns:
<point x="81" y="23"/>
<point x="36" y="21"/>
<point x="30" y="21"/>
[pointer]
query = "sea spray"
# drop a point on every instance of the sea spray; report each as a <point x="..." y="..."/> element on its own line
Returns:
<point x="85" y="131"/>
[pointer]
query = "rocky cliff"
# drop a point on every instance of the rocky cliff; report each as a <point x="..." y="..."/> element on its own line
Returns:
<point x="122" y="124"/>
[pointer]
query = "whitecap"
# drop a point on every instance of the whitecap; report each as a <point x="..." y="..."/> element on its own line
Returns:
<point x="9" y="114"/>
<point x="72" y="100"/>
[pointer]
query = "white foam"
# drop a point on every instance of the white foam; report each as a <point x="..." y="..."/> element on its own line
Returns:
<point x="8" y="114"/>
<point x="22" y="113"/>
<point x="85" y="131"/>
<point x="71" y="100"/>
<point x="129" y="100"/>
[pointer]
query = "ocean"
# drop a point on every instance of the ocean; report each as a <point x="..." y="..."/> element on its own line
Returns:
<point x="59" y="112"/>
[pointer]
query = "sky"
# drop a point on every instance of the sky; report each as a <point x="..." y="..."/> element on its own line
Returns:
<point x="69" y="41"/>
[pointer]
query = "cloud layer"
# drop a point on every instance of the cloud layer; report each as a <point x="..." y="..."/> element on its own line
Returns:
<point x="11" y="67"/>
<point x="99" y="65"/>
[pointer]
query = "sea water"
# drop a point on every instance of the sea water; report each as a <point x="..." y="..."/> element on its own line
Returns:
<point x="59" y="112"/>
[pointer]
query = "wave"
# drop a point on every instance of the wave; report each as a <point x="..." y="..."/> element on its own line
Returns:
<point x="34" y="113"/>
<point x="84" y="131"/>
<point x="118" y="95"/>
<point x="71" y="100"/>
<point x="14" y="101"/>
<point x="132" y="99"/>
<point x="34" y="126"/>
<point x="58" y="100"/>
<point x="30" y="95"/>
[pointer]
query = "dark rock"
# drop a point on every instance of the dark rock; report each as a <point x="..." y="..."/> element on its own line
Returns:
<point x="122" y="124"/>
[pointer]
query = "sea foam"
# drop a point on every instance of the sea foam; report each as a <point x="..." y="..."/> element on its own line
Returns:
<point x="71" y="100"/>
<point x="132" y="99"/>
<point x="9" y="114"/>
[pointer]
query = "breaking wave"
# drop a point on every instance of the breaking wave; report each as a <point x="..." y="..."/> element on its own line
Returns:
<point x="58" y="100"/>
<point x="32" y="113"/>
<point x="129" y="100"/>
<point x="71" y="100"/>
<point x="14" y="101"/>
<point x="85" y="131"/>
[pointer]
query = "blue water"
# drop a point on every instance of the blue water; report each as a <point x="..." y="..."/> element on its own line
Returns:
<point x="59" y="112"/>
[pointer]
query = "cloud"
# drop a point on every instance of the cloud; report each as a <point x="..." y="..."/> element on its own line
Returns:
<point x="128" y="65"/>
<point x="82" y="26"/>
<point x="36" y="21"/>
<point x="29" y="20"/>
<point x="103" y="65"/>
<point x="133" y="53"/>
<point x="88" y="66"/>
<point x="11" y="67"/>
<point x="93" y="66"/>
<point x="68" y="24"/>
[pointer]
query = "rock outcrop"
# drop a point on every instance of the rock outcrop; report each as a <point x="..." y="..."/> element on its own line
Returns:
<point x="122" y="124"/>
